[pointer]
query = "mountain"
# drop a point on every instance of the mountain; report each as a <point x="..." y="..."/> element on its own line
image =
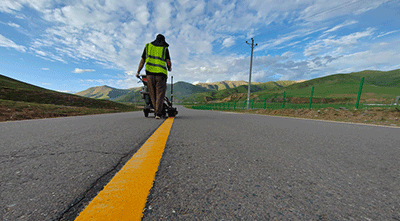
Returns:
<point x="104" y="92"/>
<point x="379" y="83"/>
<point x="221" y="85"/>
<point x="183" y="91"/>
<point x="180" y="89"/>
<point x="237" y="92"/>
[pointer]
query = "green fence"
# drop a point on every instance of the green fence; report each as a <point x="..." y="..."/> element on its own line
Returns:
<point x="286" y="100"/>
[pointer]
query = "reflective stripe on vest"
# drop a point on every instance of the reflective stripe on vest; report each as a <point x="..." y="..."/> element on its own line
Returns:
<point x="155" y="59"/>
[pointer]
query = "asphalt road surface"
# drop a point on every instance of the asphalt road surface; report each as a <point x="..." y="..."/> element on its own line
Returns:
<point x="216" y="166"/>
<point x="47" y="166"/>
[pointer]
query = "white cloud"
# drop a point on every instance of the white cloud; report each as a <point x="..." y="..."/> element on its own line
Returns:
<point x="78" y="71"/>
<point x="337" y="27"/>
<point x="337" y="45"/>
<point x="143" y="15"/>
<point x="228" y="42"/>
<point x="379" y="56"/>
<point x="7" y="43"/>
<point x="45" y="69"/>
<point x="163" y="16"/>
<point x="287" y="54"/>
<point x="42" y="53"/>
<point x="98" y="81"/>
<point x="9" y="6"/>
<point x="198" y="9"/>
<point x="131" y="73"/>
<point x="11" y="24"/>
<point x="387" y="33"/>
<point x="326" y="9"/>
<point x="67" y="91"/>
<point x="282" y="41"/>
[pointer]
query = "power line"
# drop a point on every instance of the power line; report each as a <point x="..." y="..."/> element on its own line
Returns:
<point x="335" y="8"/>
<point x="349" y="3"/>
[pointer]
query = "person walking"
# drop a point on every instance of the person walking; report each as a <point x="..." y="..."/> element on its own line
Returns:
<point x="158" y="61"/>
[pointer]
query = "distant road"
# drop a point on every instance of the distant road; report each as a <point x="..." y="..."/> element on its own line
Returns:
<point x="216" y="166"/>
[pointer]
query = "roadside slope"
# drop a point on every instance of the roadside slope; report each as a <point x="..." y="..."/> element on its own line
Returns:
<point x="19" y="100"/>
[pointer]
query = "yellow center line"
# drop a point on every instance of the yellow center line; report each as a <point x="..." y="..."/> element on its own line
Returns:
<point x="124" y="197"/>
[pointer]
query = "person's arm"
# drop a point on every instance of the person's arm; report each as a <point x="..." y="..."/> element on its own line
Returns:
<point x="168" y="60"/>
<point x="141" y="64"/>
<point x="169" y="65"/>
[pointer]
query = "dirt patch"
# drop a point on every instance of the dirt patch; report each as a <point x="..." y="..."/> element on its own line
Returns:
<point x="298" y="100"/>
<point x="238" y="96"/>
<point x="377" y="116"/>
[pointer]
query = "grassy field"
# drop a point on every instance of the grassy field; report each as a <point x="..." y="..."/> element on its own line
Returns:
<point x="334" y="99"/>
<point x="19" y="100"/>
<point x="379" y="87"/>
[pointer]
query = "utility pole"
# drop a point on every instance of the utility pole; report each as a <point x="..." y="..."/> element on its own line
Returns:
<point x="251" y="66"/>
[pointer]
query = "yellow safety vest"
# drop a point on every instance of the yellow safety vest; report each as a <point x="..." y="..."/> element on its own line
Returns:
<point x="155" y="59"/>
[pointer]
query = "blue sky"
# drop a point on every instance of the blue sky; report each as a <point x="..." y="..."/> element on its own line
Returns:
<point x="71" y="45"/>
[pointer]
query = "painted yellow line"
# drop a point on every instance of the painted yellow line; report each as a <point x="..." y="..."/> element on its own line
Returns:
<point x="124" y="197"/>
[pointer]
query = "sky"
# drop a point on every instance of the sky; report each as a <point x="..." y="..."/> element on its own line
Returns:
<point x="72" y="45"/>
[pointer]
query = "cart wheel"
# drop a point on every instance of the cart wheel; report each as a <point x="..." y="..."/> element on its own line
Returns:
<point x="172" y="113"/>
<point x="146" y="113"/>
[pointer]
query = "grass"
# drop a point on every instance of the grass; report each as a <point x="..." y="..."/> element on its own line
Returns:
<point x="278" y="105"/>
<point x="19" y="100"/>
<point x="19" y="110"/>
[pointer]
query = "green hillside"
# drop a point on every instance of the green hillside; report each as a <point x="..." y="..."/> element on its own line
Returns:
<point x="19" y="98"/>
<point x="380" y="78"/>
<point x="131" y="97"/>
<point x="182" y="89"/>
<point x="9" y="83"/>
<point x="379" y="87"/>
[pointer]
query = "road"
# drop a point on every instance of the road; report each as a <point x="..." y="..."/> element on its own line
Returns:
<point x="50" y="164"/>
<point x="216" y="166"/>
